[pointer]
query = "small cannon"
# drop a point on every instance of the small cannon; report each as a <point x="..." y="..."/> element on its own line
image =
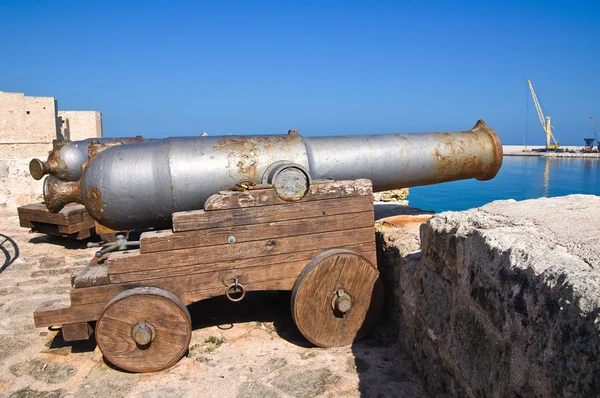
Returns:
<point x="300" y="218"/>
<point x="65" y="162"/>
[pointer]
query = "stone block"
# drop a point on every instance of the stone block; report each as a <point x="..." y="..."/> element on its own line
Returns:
<point x="80" y="125"/>
<point x="4" y="169"/>
<point x="25" y="119"/>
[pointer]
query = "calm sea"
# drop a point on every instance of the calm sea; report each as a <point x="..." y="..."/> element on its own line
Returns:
<point x="519" y="178"/>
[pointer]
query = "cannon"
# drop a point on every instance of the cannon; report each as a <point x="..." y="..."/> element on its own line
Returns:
<point x="65" y="162"/>
<point x="66" y="158"/>
<point x="141" y="186"/>
<point x="243" y="214"/>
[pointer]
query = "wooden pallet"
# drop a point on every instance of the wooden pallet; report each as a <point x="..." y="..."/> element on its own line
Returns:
<point x="241" y="242"/>
<point x="71" y="222"/>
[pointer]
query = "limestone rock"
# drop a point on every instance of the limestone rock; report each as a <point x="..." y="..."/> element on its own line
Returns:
<point x="503" y="300"/>
<point x="395" y="196"/>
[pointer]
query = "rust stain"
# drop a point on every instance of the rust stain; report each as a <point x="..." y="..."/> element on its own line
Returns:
<point x="58" y="193"/>
<point x="95" y="147"/>
<point x="483" y="160"/>
<point x="94" y="202"/>
<point x="243" y="155"/>
<point x="55" y="166"/>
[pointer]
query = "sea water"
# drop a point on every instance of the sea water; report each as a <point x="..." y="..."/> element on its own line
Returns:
<point x="521" y="177"/>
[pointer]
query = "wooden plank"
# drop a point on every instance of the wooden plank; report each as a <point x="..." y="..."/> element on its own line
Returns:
<point x="53" y="313"/>
<point x="201" y="219"/>
<point x="130" y="261"/>
<point x="68" y="210"/>
<point x="92" y="275"/>
<point x="83" y="234"/>
<point x="100" y="294"/>
<point x="156" y="241"/>
<point x="216" y="281"/>
<point x="170" y="271"/>
<point x="268" y="197"/>
<point x="25" y="223"/>
<point x="76" y="227"/>
<point x="52" y="230"/>
<point x="77" y="331"/>
<point x="32" y="207"/>
<point x="43" y="215"/>
<point x="194" y="296"/>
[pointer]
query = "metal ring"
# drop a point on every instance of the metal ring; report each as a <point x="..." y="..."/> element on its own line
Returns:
<point x="235" y="286"/>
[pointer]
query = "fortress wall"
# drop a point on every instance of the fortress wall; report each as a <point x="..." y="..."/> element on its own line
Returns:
<point x="79" y="125"/>
<point x="28" y="125"/>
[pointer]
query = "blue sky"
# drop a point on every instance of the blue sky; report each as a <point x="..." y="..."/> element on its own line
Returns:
<point x="322" y="67"/>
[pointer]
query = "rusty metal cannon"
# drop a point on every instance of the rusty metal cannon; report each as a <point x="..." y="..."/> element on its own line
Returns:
<point x="65" y="162"/>
<point x="140" y="186"/>
<point x="300" y="218"/>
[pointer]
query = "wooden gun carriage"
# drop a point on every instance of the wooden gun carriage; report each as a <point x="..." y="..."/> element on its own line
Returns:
<point x="321" y="247"/>
<point x="296" y="232"/>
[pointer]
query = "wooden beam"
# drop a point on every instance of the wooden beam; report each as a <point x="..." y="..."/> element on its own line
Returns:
<point x="53" y="313"/>
<point x="260" y="277"/>
<point x="130" y="261"/>
<point x="268" y="197"/>
<point x="77" y="331"/>
<point x="201" y="219"/>
<point x="171" y="271"/>
<point x="92" y="275"/>
<point x="156" y="241"/>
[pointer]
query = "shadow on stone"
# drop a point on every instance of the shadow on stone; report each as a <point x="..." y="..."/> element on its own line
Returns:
<point x="261" y="306"/>
<point x="58" y="344"/>
<point x="64" y="242"/>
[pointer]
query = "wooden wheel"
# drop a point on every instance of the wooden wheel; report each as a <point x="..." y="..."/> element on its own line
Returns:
<point x="337" y="298"/>
<point x="144" y="330"/>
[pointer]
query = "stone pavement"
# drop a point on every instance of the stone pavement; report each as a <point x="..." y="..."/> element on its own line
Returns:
<point x="247" y="349"/>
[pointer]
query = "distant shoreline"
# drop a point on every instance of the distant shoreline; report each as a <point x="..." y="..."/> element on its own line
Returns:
<point x="518" y="150"/>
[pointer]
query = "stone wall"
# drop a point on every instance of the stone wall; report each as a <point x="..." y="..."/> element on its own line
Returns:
<point x="503" y="300"/>
<point x="79" y="125"/>
<point x="28" y="125"/>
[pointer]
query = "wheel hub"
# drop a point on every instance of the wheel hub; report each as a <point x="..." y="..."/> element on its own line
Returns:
<point x="341" y="301"/>
<point x="143" y="333"/>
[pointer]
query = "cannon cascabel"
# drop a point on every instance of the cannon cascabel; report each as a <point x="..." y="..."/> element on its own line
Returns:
<point x="67" y="157"/>
<point x="142" y="185"/>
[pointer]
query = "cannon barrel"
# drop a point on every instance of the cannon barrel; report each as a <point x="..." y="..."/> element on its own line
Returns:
<point x="142" y="185"/>
<point x="67" y="157"/>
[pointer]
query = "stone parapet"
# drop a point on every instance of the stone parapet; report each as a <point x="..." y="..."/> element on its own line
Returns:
<point x="504" y="300"/>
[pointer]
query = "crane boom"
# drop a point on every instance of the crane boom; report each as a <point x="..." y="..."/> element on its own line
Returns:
<point x="544" y="120"/>
<point x="594" y="128"/>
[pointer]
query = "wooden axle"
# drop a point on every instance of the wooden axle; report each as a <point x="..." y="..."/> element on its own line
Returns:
<point x="321" y="247"/>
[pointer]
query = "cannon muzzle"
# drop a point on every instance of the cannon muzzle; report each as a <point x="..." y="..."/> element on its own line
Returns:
<point x="142" y="185"/>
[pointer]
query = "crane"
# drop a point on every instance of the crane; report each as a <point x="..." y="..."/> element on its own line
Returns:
<point x="591" y="144"/>
<point x="544" y="120"/>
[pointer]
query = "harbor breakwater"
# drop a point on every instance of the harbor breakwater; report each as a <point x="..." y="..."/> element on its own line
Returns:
<point x="570" y="152"/>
